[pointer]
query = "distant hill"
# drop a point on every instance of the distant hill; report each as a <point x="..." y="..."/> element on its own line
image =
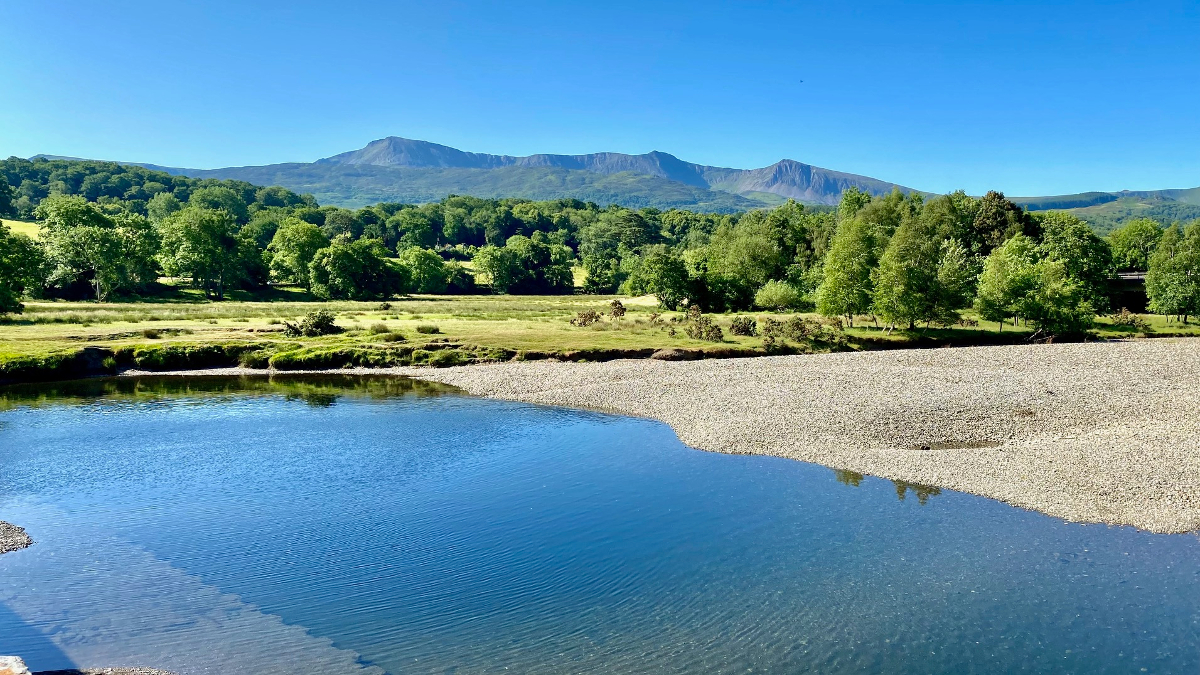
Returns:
<point x="395" y="169"/>
<point x="1106" y="211"/>
<point x="406" y="170"/>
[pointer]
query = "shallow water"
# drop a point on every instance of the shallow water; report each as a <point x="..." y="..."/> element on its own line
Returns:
<point x="344" y="525"/>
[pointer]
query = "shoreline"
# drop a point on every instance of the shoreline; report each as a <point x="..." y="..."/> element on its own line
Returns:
<point x="1087" y="432"/>
<point x="1103" y="432"/>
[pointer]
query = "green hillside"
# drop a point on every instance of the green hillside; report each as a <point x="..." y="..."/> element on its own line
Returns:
<point x="1106" y="217"/>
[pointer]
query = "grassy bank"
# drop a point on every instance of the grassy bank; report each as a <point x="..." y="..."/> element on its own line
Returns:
<point x="53" y="340"/>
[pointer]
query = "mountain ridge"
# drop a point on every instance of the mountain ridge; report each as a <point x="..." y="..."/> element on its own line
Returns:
<point x="787" y="178"/>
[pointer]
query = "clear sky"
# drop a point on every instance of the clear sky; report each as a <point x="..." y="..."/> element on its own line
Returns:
<point x="1027" y="97"/>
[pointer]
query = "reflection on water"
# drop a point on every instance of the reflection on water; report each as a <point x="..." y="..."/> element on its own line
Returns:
<point x="367" y="525"/>
<point x="923" y="492"/>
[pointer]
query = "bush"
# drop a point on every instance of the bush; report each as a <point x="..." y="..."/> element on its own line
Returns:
<point x="743" y="325"/>
<point x="704" y="328"/>
<point x="779" y="296"/>
<point x="616" y="310"/>
<point x="585" y="318"/>
<point x="151" y="333"/>
<point x="379" y="328"/>
<point x="314" y="324"/>
<point x="428" y="329"/>
<point x="1128" y="318"/>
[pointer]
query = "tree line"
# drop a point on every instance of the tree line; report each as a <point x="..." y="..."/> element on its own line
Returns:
<point x="110" y="230"/>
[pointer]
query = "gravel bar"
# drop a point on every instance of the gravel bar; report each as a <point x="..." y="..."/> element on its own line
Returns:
<point x="1089" y="432"/>
<point x="12" y="538"/>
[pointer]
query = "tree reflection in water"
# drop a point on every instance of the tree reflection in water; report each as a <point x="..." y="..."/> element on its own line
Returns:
<point x="923" y="492"/>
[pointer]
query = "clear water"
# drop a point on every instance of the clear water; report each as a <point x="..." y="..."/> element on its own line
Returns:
<point x="345" y="525"/>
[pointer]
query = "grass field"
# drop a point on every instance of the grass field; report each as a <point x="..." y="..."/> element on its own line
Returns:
<point x="22" y="227"/>
<point x="511" y="324"/>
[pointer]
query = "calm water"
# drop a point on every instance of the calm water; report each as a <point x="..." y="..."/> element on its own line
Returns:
<point x="348" y="525"/>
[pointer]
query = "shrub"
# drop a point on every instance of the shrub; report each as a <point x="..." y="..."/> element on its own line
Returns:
<point x="704" y="328"/>
<point x="390" y="337"/>
<point x="743" y="325"/>
<point x="379" y="328"/>
<point x="1128" y="318"/>
<point x="428" y="329"/>
<point x="384" y="306"/>
<point x="585" y="318"/>
<point x="616" y="309"/>
<point x="151" y="333"/>
<point x="314" y="324"/>
<point x="779" y="296"/>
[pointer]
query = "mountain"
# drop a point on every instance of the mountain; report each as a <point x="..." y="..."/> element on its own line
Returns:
<point x="405" y="170"/>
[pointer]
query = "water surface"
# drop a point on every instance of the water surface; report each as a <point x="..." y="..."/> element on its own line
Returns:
<point x="343" y="525"/>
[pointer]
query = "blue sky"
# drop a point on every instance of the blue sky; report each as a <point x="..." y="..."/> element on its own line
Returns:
<point x="1030" y="98"/>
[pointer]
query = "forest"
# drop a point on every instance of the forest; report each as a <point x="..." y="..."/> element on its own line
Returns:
<point x="109" y="231"/>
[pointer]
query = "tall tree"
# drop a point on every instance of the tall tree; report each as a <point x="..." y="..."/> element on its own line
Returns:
<point x="1087" y="259"/>
<point x="202" y="245"/>
<point x="1173" y="281"/>
<point x="846" y="288"/>
<point x="356" y="270"/>
<point x="1007" y="280"/>
<point x="997" y="220"/>
<point x="1134" y="244"/>
<point x="921" y="277"/>
<point x="292" y="249"/>
<point x="86" y="248"/>
<point x="22" y="266"/>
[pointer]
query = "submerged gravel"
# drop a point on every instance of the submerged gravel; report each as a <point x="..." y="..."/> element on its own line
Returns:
<point x="1093" y="432"/>
<point x="12" y="538"/>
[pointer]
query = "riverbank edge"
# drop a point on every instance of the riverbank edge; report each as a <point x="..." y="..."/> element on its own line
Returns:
<point x="538" y="393"/>
<point x="279" y="355"/>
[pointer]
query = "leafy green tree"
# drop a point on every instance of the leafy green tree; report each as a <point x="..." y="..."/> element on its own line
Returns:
<point x="853" y="200"/>
<point x="292" y="250"/>
<point x="22" y="266"/>
<point x="6" y="198"/>
<point x="846" y="287"/>
<point x="1134" y="244"/>
<point x="427" y="269"/>
<point x="414" y="227"/>
<point x="85" y="248"/>
<point x="748" y="251"/>
<point x="921" y="276"/>
<point x="1173" y="281"/>
<point x="499" y="266"/>
<point x="356" y="270"/>
<point x="1008" y="279"/>
<point x="202" y="245"/>
<point x="339" y="222"/>
<point x="526" y="266"/>
<point x="997" y="220"/>
<point x="662" y="273"/>
<point x="1086" y="258"/>
<point x="218" y="198"/>
<point x="162" y="205"/>
<point x="1060" y="304"/>
<point x="779" y="296"/>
